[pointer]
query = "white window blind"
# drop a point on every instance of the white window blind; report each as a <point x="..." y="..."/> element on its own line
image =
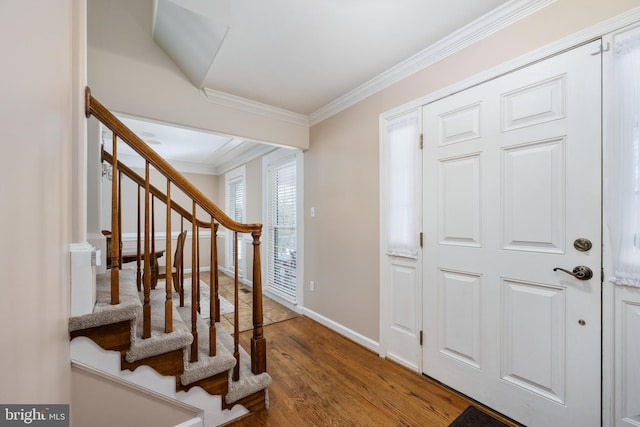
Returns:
<point x="402" y="210"/>
<point x="236" y="210"/>
<point x="622" y="180"/>
<point x="281" y="239"/>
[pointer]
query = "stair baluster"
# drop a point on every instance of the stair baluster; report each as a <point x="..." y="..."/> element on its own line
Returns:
<point x="181" y="276"/>
<point x="236" y="317"/>
<point x="258" y="341"/>
<point x="115" y="248"/>
<point x="168" y="304"/>
<point x="139" y="247"/>
<point x="146" y="304"/>
<point x="194" y="289"/>
<point x="197" y="267"/>
<point x="214" y="270"/>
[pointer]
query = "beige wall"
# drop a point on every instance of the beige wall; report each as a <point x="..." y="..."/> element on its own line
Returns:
<point x="98" y="401"/>
<point x="130" y="74"/>
<point x="35" y="183"/>
<point x="342" y="164"/>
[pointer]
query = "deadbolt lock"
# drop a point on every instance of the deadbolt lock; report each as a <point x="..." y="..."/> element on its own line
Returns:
<point x="582" y="244"/>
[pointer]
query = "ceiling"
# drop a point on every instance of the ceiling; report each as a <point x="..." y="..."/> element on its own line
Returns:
<point x="296" y="56"/>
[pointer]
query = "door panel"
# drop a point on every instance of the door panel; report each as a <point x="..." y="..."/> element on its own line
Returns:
<point x="404" y="314"/>
<point x="460" y="329"/>
<point x="534" y="197"/>
<point x="511" y="178"/>
<point x="459" y="192"/>
<point x="532" y="358"/>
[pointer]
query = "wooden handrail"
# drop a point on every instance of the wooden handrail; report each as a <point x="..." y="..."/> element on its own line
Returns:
<point x="93" y="107"/>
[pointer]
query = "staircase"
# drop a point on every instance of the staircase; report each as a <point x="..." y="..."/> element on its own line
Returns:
<point x="143" y="326"/>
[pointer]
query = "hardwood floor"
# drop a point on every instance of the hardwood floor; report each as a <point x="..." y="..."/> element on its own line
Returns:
<point x="272" y="311"/>
<point x="323" y="379"/>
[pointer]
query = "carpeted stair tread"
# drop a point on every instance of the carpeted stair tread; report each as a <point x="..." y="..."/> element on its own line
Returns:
<point x="103" y="312"/>
<point x="159" y="342"/>
<point x="206" y="366"/>
<point x="248" y="383"/>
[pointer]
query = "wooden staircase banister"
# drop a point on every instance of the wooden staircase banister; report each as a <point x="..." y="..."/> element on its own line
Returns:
<point x="93" y="107"/>
<point x="216" y="217"/>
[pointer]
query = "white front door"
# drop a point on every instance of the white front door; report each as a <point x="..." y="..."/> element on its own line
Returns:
<point x="512" y="179"/>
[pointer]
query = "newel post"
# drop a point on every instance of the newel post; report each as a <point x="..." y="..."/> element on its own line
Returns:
<point x="258" y="342"/>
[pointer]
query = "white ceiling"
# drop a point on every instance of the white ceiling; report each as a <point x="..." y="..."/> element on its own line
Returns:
<point x="299" y="56"/>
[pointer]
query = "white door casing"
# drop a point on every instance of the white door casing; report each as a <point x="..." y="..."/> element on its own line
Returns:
<point x="512" y="177"/>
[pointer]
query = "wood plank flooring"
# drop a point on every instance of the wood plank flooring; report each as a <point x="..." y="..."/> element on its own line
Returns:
<point x="323" y="379"/>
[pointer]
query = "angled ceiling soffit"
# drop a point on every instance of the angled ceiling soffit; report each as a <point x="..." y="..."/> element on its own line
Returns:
<point x="191" y="33"/>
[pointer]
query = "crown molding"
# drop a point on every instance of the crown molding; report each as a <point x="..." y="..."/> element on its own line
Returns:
<point x="243" y="104"/>
<point x="494" y="21"/>
<point x="601" y="29"/>
<point x="483" y="27"/>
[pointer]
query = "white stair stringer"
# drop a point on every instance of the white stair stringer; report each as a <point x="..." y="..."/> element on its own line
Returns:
<point x="85" y="351"/>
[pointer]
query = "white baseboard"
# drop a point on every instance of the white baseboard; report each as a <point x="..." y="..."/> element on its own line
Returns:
<point x="343" y="330"/>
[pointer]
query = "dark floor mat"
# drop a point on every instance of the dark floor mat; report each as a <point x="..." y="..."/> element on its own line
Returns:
<point x="472" y="417"/>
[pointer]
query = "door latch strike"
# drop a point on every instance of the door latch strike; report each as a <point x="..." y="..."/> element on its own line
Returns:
<point x="421" y="338"/>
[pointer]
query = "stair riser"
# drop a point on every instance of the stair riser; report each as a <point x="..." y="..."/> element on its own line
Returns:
<point x="115" y="336"/>
<point x="215" y="385"/>
<point x="171" y="363"/>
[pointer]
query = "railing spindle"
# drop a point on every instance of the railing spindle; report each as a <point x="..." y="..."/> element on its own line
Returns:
<point x="115" y="245"/>
<point x="168" y="305"/>
<point x="146" y="305"/>
<point x="214" y="269"/>
<point x="258" y="342"/>
<point x="119" y="236"/>
<point x="181" y="276"/>
<point x="236" y="316"/>
<point x="213" y="291"/>
<point x="197" y="271"/>
<point x="194" y="303"/>
<point x="153" y="225"/>
<point x="139" y="248"/>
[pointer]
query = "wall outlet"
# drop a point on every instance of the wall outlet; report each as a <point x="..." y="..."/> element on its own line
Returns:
<point x="312" y="285"/>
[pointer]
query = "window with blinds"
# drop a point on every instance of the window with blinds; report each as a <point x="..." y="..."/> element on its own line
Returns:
<point x="280" y="224"/>
<point x="236" y="205"/>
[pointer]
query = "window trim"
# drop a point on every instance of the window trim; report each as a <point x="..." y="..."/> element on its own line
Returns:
<point x="269" y="161"/>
